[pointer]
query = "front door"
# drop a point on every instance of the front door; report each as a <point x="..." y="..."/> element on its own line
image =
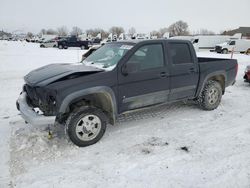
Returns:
<point x="149" y="83"/>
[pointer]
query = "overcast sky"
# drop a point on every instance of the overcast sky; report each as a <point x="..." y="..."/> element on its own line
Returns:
<point x="144" y="15"/>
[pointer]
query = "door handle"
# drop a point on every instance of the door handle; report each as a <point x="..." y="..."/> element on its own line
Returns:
<point x="192" y="70"/>
<point x="163" y="74"/>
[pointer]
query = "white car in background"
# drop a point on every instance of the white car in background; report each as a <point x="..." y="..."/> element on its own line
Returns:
<point x="240" y="45"/>
<point x="49" y="44"/>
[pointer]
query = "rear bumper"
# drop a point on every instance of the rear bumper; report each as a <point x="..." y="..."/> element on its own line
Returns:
<point x="29" y="115"/>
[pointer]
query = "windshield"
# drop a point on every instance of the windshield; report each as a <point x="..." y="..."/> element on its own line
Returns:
<point x="107" y="56"/>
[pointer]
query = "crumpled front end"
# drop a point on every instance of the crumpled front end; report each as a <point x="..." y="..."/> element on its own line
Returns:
<point x="29" y="114"/>
<point x="37" y="105"/>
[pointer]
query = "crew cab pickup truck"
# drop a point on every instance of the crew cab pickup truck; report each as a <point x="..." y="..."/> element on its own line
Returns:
<point x="72" y="41"/>
<point x="120" y="77"/>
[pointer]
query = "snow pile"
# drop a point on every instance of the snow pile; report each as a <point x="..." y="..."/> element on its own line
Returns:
<point x="175" y="145"/>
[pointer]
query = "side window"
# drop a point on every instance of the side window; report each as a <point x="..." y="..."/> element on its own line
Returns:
<point x="232" y="43"/>
<point x="148" y="57"/>
<point x="180" y="53"/>
<point x="195" y="41"/>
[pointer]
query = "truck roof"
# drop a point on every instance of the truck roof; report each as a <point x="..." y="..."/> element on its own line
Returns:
<point x="136" y="41"/>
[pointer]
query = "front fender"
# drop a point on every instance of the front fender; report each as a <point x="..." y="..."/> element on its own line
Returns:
<point x="81" y="93"/>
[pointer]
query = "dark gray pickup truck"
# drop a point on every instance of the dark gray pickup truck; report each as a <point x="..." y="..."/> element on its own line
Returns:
<point x="119" y="77"/>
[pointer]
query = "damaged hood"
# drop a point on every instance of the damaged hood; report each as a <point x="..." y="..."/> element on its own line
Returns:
<point x="53" y="72"/>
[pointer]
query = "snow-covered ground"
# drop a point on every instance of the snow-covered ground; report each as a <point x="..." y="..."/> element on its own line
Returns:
<point x="174" y="145"/>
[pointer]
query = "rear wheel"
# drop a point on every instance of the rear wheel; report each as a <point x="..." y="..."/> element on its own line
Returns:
<point x="211" y="95"/>
<point x="86" y="126"/>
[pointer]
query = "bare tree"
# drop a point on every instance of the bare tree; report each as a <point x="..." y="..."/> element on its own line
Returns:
<point x="51" y="32"/>
<point x="116" y="30"/>
<point x="204" y="32"/>
<point x="162" y="31"/>
<point x="131" y="31"/>
<point x="155" y="33"/>
<point x="62" y="31"/>
<point x="30" y="35"/>
<point x="96" y="31"/>
<point x="42" y="32"/>
<point x="76" y="31"/>
<point x="178" y="28"/>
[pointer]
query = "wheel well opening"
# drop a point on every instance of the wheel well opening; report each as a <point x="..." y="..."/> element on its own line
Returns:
<point x="99" y="100"/>
<point x="221" y="80"/>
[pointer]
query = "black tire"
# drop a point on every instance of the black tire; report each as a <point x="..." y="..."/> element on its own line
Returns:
<point x="65" y="47"/>
<point x="82" y="117"/>
<point x="248" y="51"/>
<point x="60" y="46"/>
<point x="224" y="51"/>
<point x="42" y="46"/>
<point x="210" y="96"/>
<point x="83" y="47"/>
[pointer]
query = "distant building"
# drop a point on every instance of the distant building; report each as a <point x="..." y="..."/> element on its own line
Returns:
<point x="244" y="30"/>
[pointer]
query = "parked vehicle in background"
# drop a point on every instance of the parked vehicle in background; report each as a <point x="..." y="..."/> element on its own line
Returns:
<point x="240" y="45"/>
<point x="119" y="77"/>
<point x="209" y="42"/>
<point x="49" y="44"/>
<point x="60" y="38"/>
<point x="96" y="41"/>
<point x="46" y="37"/>
<point x="107" y="40"/>
<point x="73" y="41"/>
<point x="247" y="74"/>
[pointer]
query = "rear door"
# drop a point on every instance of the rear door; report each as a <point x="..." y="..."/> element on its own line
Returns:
<point x="184" y="70"/>
<point x="72" y="42"/>
<point x="149" y="84"/>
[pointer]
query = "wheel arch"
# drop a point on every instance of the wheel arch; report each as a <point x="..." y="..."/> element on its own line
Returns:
<point x="225" y="49"/>
<point x="101" y="96"/>
<point x="219" y="76"/>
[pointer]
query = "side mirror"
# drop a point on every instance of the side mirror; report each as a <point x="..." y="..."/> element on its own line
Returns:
<point x="130" y="67"/>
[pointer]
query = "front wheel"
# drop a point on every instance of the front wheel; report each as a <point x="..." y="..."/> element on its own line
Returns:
<point x="60" y="46"/>
<point x="248" y="51"/>
<point x="86" y="126"/>
<point x="224" y="51"/>
<point x="210" y="97"/>
<point x="83" y="47"/>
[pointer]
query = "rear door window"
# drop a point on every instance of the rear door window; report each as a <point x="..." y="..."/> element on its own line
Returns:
<point x="180" y="53"/>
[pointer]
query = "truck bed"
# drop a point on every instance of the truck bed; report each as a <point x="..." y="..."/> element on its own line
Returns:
<point x="226" y="67"/>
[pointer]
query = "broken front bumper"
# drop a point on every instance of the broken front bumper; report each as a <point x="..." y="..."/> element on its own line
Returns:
<point x="29" y="114"/>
